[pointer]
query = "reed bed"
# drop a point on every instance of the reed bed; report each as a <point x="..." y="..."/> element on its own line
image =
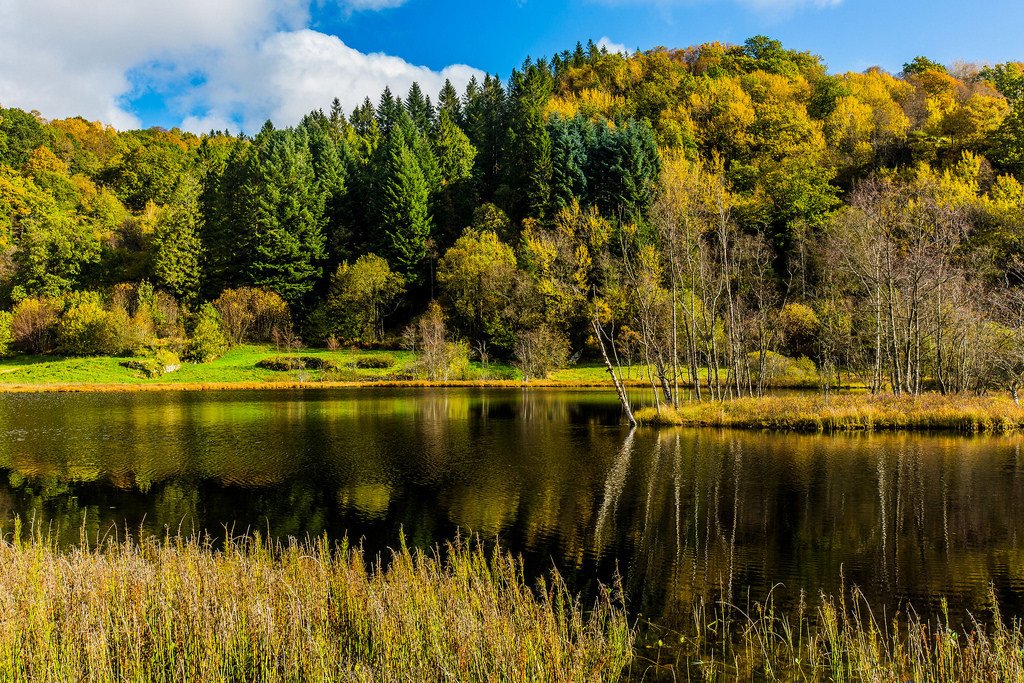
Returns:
<point x="862" y="412"/>
<point x="180" y="610"/>
<point x="837" y="641"/>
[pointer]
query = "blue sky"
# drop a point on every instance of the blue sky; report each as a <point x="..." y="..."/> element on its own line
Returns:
<point x="233" y="63"/>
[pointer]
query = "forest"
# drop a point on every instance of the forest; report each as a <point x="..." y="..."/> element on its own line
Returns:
<point x="728" y="217"/>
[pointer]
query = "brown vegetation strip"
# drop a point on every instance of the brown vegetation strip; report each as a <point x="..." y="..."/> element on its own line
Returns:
<point x="969" y="414"/>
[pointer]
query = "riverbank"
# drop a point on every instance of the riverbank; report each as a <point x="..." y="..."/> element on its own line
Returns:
<point x="178" y="610"/>
<point x="847" y="413"/>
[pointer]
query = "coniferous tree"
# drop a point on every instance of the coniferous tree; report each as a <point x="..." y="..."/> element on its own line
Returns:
<point x="527" y="177"/>
<point x="420" y="109"/>
<point x="456" y="198"/>
<point x="485" y="112"/>
<point x="284" y="246"/>
<point x="570" y="141"/>
<point x="448" y="103"/>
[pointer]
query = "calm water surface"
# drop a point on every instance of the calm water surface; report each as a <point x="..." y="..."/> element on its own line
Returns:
<point x="681" y="514"/>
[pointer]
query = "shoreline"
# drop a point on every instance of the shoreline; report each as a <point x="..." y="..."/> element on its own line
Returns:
<point x="115" y="388"/>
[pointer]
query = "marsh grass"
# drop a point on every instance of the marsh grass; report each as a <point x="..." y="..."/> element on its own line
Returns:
<point x="181" y="610"/>
<point x="859" y="412"/>
<point x="840" y="640"/>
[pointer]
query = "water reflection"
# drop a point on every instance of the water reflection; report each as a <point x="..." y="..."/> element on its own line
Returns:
<point x="684" y="515"/>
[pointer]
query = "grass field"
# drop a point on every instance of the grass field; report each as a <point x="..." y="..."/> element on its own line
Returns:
<point x="239" y="367"/>
<point x="179" y="610"/>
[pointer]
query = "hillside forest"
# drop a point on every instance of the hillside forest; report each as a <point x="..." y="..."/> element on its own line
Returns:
<point x="724" y="216"/>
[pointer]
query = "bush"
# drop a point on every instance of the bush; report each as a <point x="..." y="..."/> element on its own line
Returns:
<point x="32" y="324"/>
<point x="87" y="329"/>
<point x="207" y="341"/>
<point x="540" y="351"/>
<point x="251" y="314"/>
<point x="781" y="371"/>
<point x="286" y="363"/>
<point x="6" y="333"/>
<point x="376" y="362"/>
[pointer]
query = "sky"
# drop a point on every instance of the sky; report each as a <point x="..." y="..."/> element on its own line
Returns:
<point x="232" y="64"/>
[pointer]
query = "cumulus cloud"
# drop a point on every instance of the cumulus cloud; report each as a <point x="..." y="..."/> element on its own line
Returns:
<point x="292" y="72"/>
<point x="224" y="64"/>
<point x="611" y="46"/>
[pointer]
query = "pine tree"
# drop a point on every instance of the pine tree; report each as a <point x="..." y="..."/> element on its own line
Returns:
<point x="485" y="112"/>
<point x="569" y="145"/>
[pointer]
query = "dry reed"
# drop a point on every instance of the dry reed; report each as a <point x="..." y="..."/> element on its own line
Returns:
<point x="840" y="641"/>
<point x="864" y="412"/>
<point x="180" y="610"/>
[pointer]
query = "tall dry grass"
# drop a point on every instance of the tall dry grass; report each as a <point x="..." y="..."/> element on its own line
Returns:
<point x="180" y="610"/>
<point x="841" y="641"/>
<point x="863" y="412"/>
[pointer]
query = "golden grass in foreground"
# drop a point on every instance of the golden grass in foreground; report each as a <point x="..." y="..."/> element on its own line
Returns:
<point x="863" y="412"/>
<point x="179" y="611"/>
<point x="843" y="642"/>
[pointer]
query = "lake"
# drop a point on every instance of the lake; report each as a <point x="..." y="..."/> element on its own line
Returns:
<point x="681" y="514"/>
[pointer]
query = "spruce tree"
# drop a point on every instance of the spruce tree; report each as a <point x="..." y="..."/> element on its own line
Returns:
<point x="284" y="247"/>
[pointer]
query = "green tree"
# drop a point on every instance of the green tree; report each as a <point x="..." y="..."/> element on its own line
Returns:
<point x="177" y="249"/>
<point x="477" y="276"/>
<point x="360" y="298"/>
<point x="283" y="245"/>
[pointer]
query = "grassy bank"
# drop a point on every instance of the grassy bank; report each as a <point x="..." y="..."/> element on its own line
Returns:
<point x="838" y="641"/>
<point x="177" y="611"/>
<point x="240" y="368"/>
<point x="859" y="412"/>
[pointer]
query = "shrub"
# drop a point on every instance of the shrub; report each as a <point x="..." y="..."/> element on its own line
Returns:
<point x="6" y="333"/>
<point x="439" y="359"/>
<point x="540" y="351"/>
<point x="781" y="370"/>
<point x="376" y="362"/>
<point x="207" y="341"/>
<point x="87" y="329"/>
<point x="287" y="363"/>
<point x="32" y="324"/>
<point x="251" y="314"/>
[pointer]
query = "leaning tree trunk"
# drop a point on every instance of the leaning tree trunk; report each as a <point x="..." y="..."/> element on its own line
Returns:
<point x="616" y="380"/>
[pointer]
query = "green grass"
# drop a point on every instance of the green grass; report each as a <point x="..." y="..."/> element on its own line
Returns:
<point x="858" y="412"/>
<point x="178" y="610"/>
<point x="238" y="365"/>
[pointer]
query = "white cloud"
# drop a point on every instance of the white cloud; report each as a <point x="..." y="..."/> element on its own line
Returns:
<point x="293" y="72"/>
<point x="607" y="44"/>
<point x="221" y="64"/>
